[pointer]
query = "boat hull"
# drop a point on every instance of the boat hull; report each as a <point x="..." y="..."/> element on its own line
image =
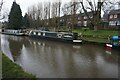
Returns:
<point x="110" y="46"/>
<point x="15" y="34"/>
<point x="56" y="39"/>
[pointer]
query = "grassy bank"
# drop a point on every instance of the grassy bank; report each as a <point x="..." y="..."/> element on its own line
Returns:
<point x="100" y="40"/>
<point x="97" y="33"/>
<point x="101" y="35"/>
<point x="12" y="70"/>
<point x="0" y="65"/>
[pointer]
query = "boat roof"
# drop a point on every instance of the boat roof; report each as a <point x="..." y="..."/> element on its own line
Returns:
<point x="51" y="32"/>
<point x="115" y="37"/>
<point x="43" y="31"/>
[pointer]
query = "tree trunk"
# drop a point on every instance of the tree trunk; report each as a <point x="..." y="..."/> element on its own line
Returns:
<point x="95" y="28"/>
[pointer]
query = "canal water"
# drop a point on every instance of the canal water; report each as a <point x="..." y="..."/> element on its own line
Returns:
<point x="48" y="59"/>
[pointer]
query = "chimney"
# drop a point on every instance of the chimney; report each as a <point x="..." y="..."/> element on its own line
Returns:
<point x="14" y="0"/>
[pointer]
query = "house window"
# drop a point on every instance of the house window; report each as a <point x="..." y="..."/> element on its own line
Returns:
<point x="79" y="22"/>
<point x="79" y="18"/>
<point x="115" y="16"/>
<point x="85" y="23"/>
<point x="43" y="34"/>
<point x="85" y="17"/>
<point x="34" y="33"/>
<point x="112" y="23"/>
<point x="111" y="16"/>
<point x="118" y="22"/>
<point x="39" y="34"/>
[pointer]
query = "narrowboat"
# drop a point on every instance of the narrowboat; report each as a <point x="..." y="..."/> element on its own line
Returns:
<point x="114" y="43"/>
<point x="57" y="36"/>
<point x="13" y="32"/>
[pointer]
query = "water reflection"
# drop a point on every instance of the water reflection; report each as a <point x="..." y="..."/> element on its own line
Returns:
<point x="5" y="46"/>
<point x="54" y="59"/>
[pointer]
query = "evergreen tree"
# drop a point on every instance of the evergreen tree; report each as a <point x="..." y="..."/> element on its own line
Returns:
<point x="15" y="17"/>
<point x="26" y="21"/>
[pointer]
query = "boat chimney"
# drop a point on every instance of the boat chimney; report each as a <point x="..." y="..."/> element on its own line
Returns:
<point x="14" y="0"/>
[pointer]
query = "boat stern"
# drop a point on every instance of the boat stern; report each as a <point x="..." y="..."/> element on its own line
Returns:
<point x="77" y="41"/>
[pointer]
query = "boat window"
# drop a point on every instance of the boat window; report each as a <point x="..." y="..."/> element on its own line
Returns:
<point x="43" y="34"/>
<point x="115" y="42"/>
<point x="59" y="35"/>
<point x="39" y="34"/>
<point x="67" y="36"/>
<point x="34" y="33"/>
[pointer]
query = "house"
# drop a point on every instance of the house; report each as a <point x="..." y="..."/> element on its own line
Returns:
<point x="80" y="20"/>
<point x="105" y="17"/>
<point x="114" y="19"/>
<point x="83" y="19"/>
<point x="105" y="22"/>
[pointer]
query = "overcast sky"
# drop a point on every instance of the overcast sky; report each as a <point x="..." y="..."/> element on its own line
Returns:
<point x="24" y="4"/>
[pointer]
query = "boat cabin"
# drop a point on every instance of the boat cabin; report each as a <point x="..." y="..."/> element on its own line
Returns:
<point x="115" y="41"/>
<point x="57" y="35"/>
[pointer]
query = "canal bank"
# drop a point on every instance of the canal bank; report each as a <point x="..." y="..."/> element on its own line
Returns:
<point x="100" y="36"/>
<point x="12" y="70"/>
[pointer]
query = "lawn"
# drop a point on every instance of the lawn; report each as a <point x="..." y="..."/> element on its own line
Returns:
<point x="100" y="40"/>
<point x="97" y="33"/>
<point x="101" y="35"/>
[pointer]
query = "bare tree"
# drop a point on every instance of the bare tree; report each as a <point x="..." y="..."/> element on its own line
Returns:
<point x="65" y="9"/>
<point x="32" y="12"/>
<point x="74" y="8"/>
<point x="71" y="8"/>
<point x="39" y="11"/>
<point x="59" y="10"/>
<point x="46" y="13"/>
<point x="49" y="12"/>
<point x="65" y="12"/>
<point x="94" y="7"/>
<point x="110" y="5"/>
<point x="39" y="14"/>
<point x="54" y="14"/>
<point x="1" y="4"/>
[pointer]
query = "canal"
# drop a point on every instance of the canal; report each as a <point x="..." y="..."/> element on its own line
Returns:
<point x="48" y="59"/>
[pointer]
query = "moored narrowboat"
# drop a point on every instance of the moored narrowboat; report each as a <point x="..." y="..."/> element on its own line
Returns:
<point x="57" y="36"/>
<point x="114" y="43"/>
<point x="13" y="32"/>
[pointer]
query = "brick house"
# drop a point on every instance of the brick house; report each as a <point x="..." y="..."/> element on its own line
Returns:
<point x="114" y="19"/>
<point x="83" y="19"/>
<point x="80" y="19"/>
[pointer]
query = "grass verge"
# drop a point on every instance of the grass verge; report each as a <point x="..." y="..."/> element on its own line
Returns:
<point x="12" y="70"/>
<point x="102" y="34"/>
<point x="97" y="33"/>
<point x="99" y="40"/>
